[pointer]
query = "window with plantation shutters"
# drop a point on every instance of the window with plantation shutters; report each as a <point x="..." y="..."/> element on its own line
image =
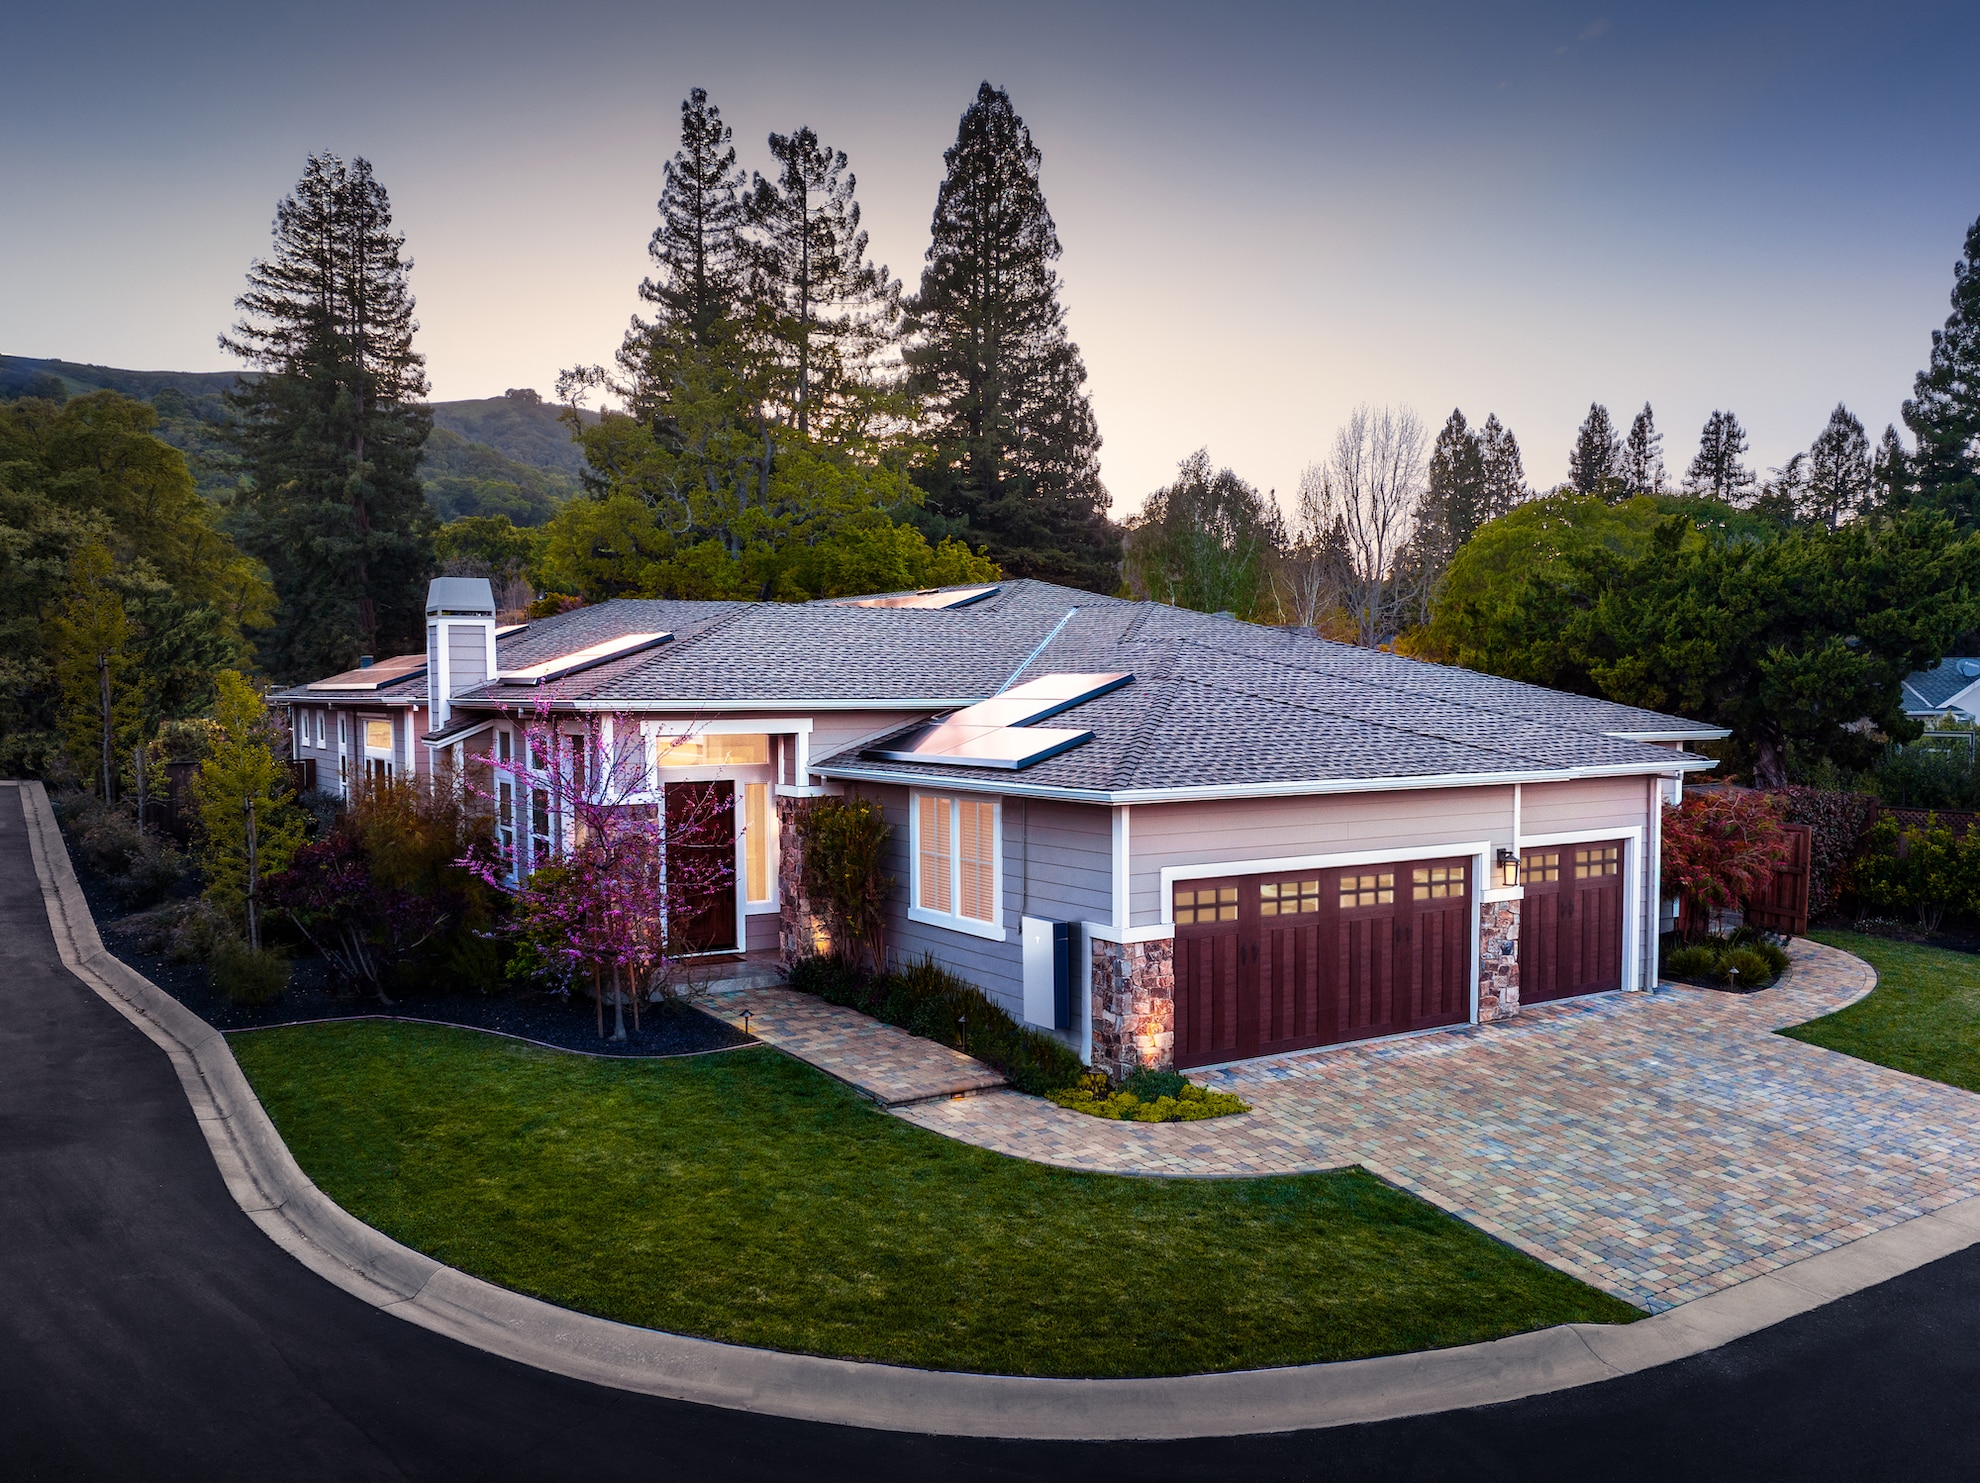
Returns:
<point x="956" y="856"/>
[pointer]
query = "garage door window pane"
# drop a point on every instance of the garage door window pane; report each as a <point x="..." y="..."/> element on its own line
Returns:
<point x="1598" y="861"/>
<point x="1288" y="898"/>
<point x="1437" y="882"/>
<point x="1377" y="888"/>
<point x="1538" y="867"/>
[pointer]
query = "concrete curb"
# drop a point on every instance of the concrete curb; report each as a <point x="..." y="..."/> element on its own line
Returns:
<point x="275" y="1193"/>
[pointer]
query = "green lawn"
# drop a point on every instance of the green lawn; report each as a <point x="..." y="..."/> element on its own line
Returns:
<point x="1923" y="1016"/>
<point x="749" y="1198"/>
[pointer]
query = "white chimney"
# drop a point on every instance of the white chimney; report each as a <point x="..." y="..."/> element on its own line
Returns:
<point x="460" y="641"/>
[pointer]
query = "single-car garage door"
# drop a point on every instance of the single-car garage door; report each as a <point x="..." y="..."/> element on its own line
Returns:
<point x="1570" y="925"/>
<point x="1272" y="963"/>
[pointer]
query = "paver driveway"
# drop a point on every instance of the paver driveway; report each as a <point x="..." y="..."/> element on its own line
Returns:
<point x="1657" y="1145"/>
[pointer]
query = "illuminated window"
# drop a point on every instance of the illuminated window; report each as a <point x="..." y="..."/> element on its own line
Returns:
<point x="1288" y="898"/>
<point x="956" y="858"/>
<point x="378" y="736"/>
<point x="1538" y="867"/>
<point x="1207" y="904"/>
<point x="711" y="751"/>
<point x="1437" y="882"/>
<point x="1377" y="888"/>
<point x="1597" y="860"/>
<point x="756" y="841"/>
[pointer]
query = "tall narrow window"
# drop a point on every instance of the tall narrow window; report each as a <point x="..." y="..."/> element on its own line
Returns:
<point x="756" y="841"/>
<point x="936" y="856"/>
<point x="539" y="826"/>
<point x="976" y="858"/>
<point x="505" y="822"/>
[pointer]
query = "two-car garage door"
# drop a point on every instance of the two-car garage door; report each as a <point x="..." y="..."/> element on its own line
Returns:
<point x="1272" y="963"/>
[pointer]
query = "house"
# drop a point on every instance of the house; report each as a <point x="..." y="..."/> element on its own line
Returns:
<point x="1948" y="691"/>
<point x="1169" y="837"/>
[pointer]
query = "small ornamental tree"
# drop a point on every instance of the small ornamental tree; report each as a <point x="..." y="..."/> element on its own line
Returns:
<point x="249" y="824"/>
<point x="1721" y="847"/>
<point x="625" y="872"/>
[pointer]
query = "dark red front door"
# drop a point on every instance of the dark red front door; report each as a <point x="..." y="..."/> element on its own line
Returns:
<point x="1272" y="963"/>
<point x="1570" y="925"/>
<point x="701" y="867"/>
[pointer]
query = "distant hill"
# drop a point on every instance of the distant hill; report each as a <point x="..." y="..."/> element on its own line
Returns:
<point x="506" y="455"/>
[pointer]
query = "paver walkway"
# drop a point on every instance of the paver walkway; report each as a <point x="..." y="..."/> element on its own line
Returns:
<point x="1659" y="1146"/>
<point x="889" y="1065"/>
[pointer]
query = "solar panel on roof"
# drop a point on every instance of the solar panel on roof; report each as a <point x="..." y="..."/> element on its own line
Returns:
<point x="928" y="598"/>
<point x="600" y="653"/>
<point x="997" y="732"/>
<point x="371" y="676"/>
<point x="1008" y="747"/>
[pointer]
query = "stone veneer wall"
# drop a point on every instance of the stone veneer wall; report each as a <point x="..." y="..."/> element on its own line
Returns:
<point x="1134" y="1006"/>
<point x="1498" y="960"/>
<point x="801" y="931"/>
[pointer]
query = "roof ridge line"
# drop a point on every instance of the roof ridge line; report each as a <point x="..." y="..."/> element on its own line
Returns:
<point x="1486" y="747"/>
<point x="1486" y="706"/>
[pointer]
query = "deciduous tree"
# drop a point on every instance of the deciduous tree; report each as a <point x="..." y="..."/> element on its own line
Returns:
<point x="1205" y="541"/>
<point x="250" y="827"/>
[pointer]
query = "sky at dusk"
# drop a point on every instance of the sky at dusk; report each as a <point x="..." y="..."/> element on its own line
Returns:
<point x="1270" y="213"/>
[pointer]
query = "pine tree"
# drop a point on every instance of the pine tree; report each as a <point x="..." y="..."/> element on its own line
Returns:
<point x="1459" y="501"/>
<point x="1890" y="473"/>
<point x="1016" y="450"/>
<point x="1643" y="456"/>
<point x="1595" y="463"/>
<point x="698" y="247"/>
<point x="1505" y="475"/>
<point x="1838" y="479"/>
<point x="1717" y="471"/>
<point x="331" y="428"/>
<point x="829" y="311"/>
<point x="1944" y="410"/>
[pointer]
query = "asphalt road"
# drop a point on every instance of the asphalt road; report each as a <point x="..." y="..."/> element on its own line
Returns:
<point x="148" y="1330"/>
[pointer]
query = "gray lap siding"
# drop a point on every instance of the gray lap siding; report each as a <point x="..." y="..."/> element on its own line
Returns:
<point x="1056" y="862"/>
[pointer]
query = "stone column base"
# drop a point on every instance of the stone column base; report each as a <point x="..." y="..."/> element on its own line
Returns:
<point x="1498" y="961"/>
<point x="1133" y="1007"/>
<point x="801" y="932"/>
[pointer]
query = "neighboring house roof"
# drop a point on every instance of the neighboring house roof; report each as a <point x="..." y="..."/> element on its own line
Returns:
<point x="1943" y="687"/>
<point x="1217" y="706"/>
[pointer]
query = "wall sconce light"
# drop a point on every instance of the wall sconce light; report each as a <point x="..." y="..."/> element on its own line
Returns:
<point x="1508" y="867"/>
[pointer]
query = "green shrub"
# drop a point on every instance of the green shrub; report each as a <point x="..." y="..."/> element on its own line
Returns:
<point x="139" y="866"/>
<point x="245" y="974"/>
<point x="1699" y="960"/>
<point x="1749" y="965"/>
<point x="926" y="999"/>
<point x="845" y="840"/>
<point x="1146" y="1097"/>
<point x="1759" y="961"/>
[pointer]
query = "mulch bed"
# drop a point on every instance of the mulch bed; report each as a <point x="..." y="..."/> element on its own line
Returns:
<point x="566" y="1024"/>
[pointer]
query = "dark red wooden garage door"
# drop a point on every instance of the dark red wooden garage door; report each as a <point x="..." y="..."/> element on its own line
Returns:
<point x="1570" y="925"/>
<point x="1273" y="963"/>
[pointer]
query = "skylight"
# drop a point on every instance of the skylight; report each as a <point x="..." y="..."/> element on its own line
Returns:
<point x="928" y="597"/>
<point x="998" y="732"/>
<point x="371" y="676"/>
<point x="569" y="664"/>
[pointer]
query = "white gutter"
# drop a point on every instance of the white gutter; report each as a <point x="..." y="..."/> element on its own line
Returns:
<point x="1699" y="733"/>
<point x="1297" y="789"/>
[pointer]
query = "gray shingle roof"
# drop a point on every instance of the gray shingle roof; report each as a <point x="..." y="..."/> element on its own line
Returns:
<point x="1930" y="689"/>
<point x="1216" y="703"/>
